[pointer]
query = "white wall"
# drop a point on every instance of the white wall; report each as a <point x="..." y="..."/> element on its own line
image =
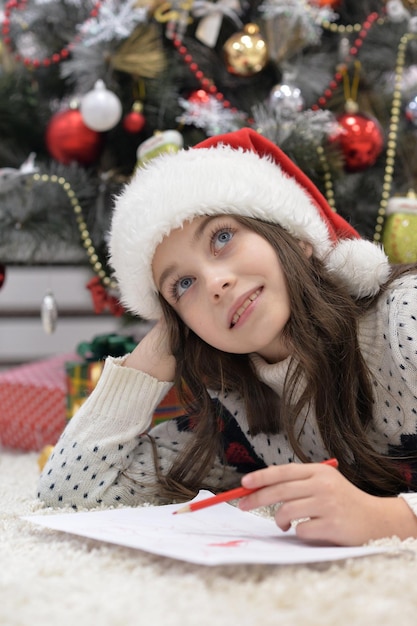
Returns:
<point x="22" y="337"/>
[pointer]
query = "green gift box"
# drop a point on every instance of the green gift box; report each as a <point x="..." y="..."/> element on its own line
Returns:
<point x="82" y="376"/>
<point x="81" y="380"/>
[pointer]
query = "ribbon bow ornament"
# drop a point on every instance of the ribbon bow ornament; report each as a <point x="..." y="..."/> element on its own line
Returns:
<point x="212" y="14"/>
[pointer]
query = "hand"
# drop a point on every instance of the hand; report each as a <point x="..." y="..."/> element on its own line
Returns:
<point x="334" y="509"/>
<point x="152" y="355"/>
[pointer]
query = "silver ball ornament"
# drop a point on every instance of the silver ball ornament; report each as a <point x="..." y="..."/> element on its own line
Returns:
<point x="285" y="98"/>
<point x="49" y="312"/>
<point x="411" y="111"/>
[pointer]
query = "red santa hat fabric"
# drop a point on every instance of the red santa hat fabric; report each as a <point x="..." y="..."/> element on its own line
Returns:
<point x="238" y="173"/>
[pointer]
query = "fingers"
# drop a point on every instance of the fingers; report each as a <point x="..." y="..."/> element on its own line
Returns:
<point x="153" y="354"/>
<point x="293" y="513"/>
<point x="288" y="472"/>
<point x="302" y="488"/>
<point x="324" y="506"/>
<point x="317" y="500"/>
<point x="283" y="483"/>
<point x="277" y="474"/>
<point x="275" y="493"/>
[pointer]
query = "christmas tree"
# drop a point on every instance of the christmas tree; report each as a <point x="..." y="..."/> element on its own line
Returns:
<point x="89" y="90"/>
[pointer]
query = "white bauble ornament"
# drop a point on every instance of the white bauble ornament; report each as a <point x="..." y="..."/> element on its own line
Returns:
<point x="396" y="11"/>
<point x="100" y="108"/>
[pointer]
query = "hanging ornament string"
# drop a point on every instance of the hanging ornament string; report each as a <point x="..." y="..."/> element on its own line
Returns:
<point x="353" y="51"/>
<point x="391" y="144"/>
<point x="392" y="134"/>
<point x="356" y="129"/>
<point x="95" y="262"/>
<point x="56" y="57"/>
<point x="351" y="87"/>
<point x="134" y="121"/>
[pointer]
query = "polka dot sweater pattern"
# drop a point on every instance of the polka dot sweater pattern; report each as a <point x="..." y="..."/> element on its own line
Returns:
<point x="104" y="455"/>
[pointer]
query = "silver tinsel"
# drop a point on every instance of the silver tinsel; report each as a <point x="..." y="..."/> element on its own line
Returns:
<point x="115" y="21"/>
<point x="279" y="125"/>
<point x="211" y="116"/>
<point x="298" y="14"/>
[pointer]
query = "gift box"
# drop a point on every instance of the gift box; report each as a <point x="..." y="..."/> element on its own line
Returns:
<point x="82" y="376"/>
<point x="32" y="403"/>
<point x="81" y="379"/>
<point x="168" y="408"/>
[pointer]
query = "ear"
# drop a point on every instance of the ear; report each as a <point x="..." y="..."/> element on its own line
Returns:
<point x="306" y="247"/>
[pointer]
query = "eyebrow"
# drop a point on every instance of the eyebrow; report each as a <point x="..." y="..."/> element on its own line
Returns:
<point x="165" y="275"/>
<point x="199" y="232"/>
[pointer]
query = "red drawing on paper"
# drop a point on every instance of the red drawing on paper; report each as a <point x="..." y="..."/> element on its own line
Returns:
<point x="229" y="544"/>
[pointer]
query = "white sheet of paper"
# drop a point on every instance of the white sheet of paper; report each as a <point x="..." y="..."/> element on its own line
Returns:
<point x="216" y="535"/>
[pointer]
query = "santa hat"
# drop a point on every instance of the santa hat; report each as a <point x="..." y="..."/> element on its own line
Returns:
<point x="239" y="173"/>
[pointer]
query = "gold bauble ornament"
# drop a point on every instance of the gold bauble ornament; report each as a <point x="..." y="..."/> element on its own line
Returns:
<point x="400" y="229"/>
<point x="410" y="4"/>
<point x="246" y="52"/>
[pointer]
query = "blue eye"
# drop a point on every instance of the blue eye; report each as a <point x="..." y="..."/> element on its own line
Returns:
<point x="221" y="237"/>
<point x="180" y="286"/>
<point x="184" y="284"/>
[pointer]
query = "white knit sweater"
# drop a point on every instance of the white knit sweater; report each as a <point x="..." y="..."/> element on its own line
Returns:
<point x="104" y="457"/>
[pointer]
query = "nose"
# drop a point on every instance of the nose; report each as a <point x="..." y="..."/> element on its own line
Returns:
<point x="218" y="283"/>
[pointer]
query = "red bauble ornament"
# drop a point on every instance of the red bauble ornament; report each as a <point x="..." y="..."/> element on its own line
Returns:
<point x="333" y="4"/>
<point x="69" y="139"/>
<point x="361" y="140"/>
<point x="133" y="122"/>
<point x="200" y="96"/>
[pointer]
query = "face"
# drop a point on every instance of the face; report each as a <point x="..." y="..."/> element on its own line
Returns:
<point x="226" y="284"/>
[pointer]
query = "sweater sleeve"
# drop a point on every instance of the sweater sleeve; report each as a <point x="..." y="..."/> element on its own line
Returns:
<point x="104" y="455"/>
<point x="403" y="334"/>
<point x="411" y="499"/>
<point x="403" y="331"/>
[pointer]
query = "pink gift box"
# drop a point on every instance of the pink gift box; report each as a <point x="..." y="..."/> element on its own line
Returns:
<point x="33" y="403"/>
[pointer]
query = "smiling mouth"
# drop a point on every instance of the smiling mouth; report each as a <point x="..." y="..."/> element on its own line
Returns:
<point x="243" y="307"/>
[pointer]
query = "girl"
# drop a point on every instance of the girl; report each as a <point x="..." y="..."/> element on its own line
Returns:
<point x="288" y="337"/>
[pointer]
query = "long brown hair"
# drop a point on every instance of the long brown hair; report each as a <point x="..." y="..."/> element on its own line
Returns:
<point x="326" y="359"/>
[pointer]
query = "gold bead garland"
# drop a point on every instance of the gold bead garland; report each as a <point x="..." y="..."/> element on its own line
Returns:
<point x="327" y="178"/>
<point x="392" y="134"/>
<point x="346" y="29"/>
<point x="82" y="226"/>
<point x="328" y="184"/>
<point x="341" y="28"/>
<point x="372" y="18"/>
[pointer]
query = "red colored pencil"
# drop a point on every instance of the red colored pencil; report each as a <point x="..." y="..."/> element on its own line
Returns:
<point x="226" y="496"/>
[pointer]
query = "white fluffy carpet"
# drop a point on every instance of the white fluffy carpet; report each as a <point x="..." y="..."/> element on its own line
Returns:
<point x="49" y="578"/>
